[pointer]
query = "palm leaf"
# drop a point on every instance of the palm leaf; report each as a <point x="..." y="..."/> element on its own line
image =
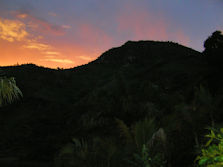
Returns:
<point x="143" y="132"/>
<point x="9" y="92"/>
<point x="124" y="131"/>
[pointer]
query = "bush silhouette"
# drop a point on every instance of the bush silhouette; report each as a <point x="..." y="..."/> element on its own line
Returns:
<point x="214" y="49"/>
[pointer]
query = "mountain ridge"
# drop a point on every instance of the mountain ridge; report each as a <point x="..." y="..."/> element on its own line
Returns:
<point x="140" y="43"/>
<point x="126" y="82"/>
<point x="146" y="46"/>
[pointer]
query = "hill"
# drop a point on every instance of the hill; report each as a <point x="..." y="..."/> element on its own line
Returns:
<point x="159" y="80"/>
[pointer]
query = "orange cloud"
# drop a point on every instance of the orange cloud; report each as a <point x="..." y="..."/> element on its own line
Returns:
<point x="12" y="30"/>
<point x="22" y="16"/>
<point x="37" y="45"/>
<point x="55" y="54"/>
<point x="52" y="53"/>
<point x="87" y="58"/>
<point x="79" y="54"/>
<point x="64" y="61"/>
<point x="49" y="56"/>
<point x="44" y="49"/>
<point x="13" y="53"/>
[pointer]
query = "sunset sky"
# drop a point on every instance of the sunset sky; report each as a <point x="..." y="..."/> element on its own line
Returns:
<point x="68" y="33"/>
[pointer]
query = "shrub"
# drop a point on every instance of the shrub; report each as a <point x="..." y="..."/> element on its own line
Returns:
<point x="212" y="153"/>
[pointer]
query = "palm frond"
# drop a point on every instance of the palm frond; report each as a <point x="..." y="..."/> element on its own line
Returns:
<point x="143" y="132"/>
<point x="9" y="92"/>
<point x="81" y="148"/>
<point x="124" y="131"/>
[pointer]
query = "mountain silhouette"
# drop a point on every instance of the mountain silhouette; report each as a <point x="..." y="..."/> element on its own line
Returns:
<point x="128" y="82"/>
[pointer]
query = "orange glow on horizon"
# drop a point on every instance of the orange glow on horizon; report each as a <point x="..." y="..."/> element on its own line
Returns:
<point x="31" y="39"/>
<point x="18" y="46"/>
<point x="13" y="54"/>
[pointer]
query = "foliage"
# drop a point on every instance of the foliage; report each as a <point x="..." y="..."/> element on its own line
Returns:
<point x="9" y="92"/>
<point x="143" y="132"/>
<point x="140" y="133"/>
<point x="138" y="80"/>
<point x="142" y="159"/>
<point x="214" y="49"/>
<point x="215" y="41"/>
<point x="147" y="141"/>
<point x="94" y="153"/>
<point x="212" y="153"/>
<point x="145" y="159"/>
<point x="124" y="131"/>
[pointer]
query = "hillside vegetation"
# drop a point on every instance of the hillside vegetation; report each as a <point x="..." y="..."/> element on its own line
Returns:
<point x="142" y="99"/>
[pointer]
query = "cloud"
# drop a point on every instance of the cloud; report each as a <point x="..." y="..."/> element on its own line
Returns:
<point x="50" y="56"/>
<point x="39" y="24"/>
<point x="45" y="27"/>
<point x="42" y="47"/>
<point x="37" y="45"/>
<point x="66" y="26"/>
<point x="52" y="14"/>
<point x="12" y="30"/>
<point x="87" y="58"/>
<point x="181" y="37"/>
<point x="22" y="16"/>
<point x="15" y="30"/>
<point x="65" y="61"/>
<point x="140" y="24"/>
<point x="52" y="53"/>
<point x="93" y="36"/>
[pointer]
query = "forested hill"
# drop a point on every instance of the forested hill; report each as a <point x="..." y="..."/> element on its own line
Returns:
<point x="145" y="52"/>
<point x="137" y="80"/>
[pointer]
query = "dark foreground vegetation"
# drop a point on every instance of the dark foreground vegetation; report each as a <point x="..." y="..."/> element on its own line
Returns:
<point x="144" y="104"/>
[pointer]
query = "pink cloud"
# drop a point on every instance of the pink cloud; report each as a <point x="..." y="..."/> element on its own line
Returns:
<point x="39" y="24"/>
<point x="66" y="26"/>
<point x="94" y="35"/>
<point x="182" y="38"/>
<point x="144" y="25"/>
<point x="140" y="24"/>
<point x="52" y="14"/>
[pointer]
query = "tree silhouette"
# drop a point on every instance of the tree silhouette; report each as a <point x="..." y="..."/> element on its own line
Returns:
<point x="214" y="49"/>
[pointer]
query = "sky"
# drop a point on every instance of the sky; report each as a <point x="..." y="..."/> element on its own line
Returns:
<point x="69" y="33"/>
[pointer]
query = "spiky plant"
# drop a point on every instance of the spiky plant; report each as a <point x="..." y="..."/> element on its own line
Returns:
<point x="140" y="133"/>
<point x="96" y="152"/>
<point x="9" y="92"/>
<point x="143" y="132"/>
<point x="125" y="131"/>
<point x="144" y="135"/>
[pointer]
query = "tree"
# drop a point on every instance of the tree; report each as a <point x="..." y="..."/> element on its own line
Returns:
<point x="9" y="92"/>
<point x="214" y="49"/>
